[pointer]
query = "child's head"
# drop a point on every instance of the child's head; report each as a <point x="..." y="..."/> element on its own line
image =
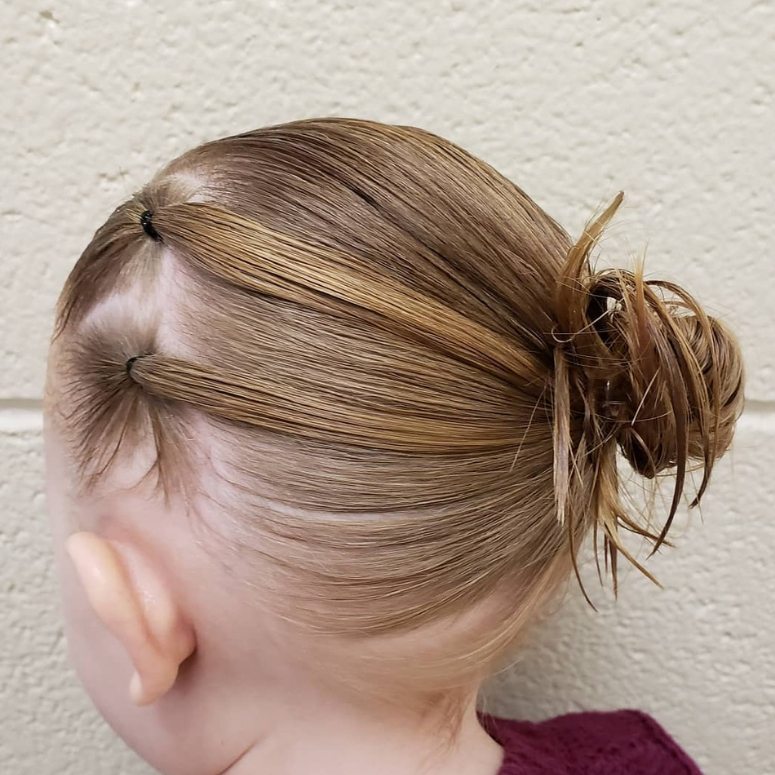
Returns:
<point x="333" y="404"/>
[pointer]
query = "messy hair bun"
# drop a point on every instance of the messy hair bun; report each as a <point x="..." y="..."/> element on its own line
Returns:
<point x="638" y="366"/>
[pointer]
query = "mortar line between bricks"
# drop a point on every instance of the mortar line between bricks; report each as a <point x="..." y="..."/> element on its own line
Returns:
<point x="19" y="414"/>
<point x="760" y="407"/>
<point x="25" y="404"/>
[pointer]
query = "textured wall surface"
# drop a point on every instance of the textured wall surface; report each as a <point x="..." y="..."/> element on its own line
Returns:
<point x="573" y="100"/>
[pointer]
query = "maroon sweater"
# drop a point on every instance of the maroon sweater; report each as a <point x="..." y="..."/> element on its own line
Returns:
<point x="625" y="742"/>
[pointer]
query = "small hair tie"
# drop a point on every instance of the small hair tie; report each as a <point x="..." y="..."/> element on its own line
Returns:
<point x="131" y="362"/>
<point x="147" y="224"/>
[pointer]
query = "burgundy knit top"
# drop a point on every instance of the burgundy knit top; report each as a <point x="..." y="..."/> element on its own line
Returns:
<point x="625" y="742"/>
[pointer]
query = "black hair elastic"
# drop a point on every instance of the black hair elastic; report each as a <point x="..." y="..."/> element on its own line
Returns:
<point x="128" y="365"/>
<point x="147" y="224"/>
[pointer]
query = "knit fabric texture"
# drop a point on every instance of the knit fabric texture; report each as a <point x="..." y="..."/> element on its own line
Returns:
<point x="626" y="742"/>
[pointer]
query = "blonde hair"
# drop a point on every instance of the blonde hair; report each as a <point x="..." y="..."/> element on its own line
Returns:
<point x="398" y="345"/>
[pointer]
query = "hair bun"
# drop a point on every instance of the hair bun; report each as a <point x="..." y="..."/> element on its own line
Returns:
<point x="681" y="398"/>
<point x="638" y="364"/>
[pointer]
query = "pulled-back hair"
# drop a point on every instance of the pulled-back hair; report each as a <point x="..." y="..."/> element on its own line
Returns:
<point x="414" y="383"/>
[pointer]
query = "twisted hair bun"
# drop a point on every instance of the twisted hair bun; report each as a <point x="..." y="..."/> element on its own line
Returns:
<point x="639" y="366"/>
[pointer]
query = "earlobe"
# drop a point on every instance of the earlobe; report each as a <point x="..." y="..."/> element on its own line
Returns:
<point x="135" y="605"/>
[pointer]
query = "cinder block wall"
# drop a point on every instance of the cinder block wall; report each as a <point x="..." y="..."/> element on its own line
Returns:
<point x="573" y="100"/>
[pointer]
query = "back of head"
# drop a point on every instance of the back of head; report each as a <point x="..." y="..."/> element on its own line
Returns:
<point x="411" y="380"/>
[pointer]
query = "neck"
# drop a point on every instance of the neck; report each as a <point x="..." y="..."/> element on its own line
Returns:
<point x="327" y="739"/>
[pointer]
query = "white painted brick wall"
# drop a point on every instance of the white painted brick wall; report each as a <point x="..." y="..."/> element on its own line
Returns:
<point x="572" y="99"/>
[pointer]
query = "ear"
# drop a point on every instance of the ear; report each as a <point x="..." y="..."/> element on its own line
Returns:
<point x="135" y="604"/>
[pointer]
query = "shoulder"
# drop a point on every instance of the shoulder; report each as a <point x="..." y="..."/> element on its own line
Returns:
<point x="626" y="741"/>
